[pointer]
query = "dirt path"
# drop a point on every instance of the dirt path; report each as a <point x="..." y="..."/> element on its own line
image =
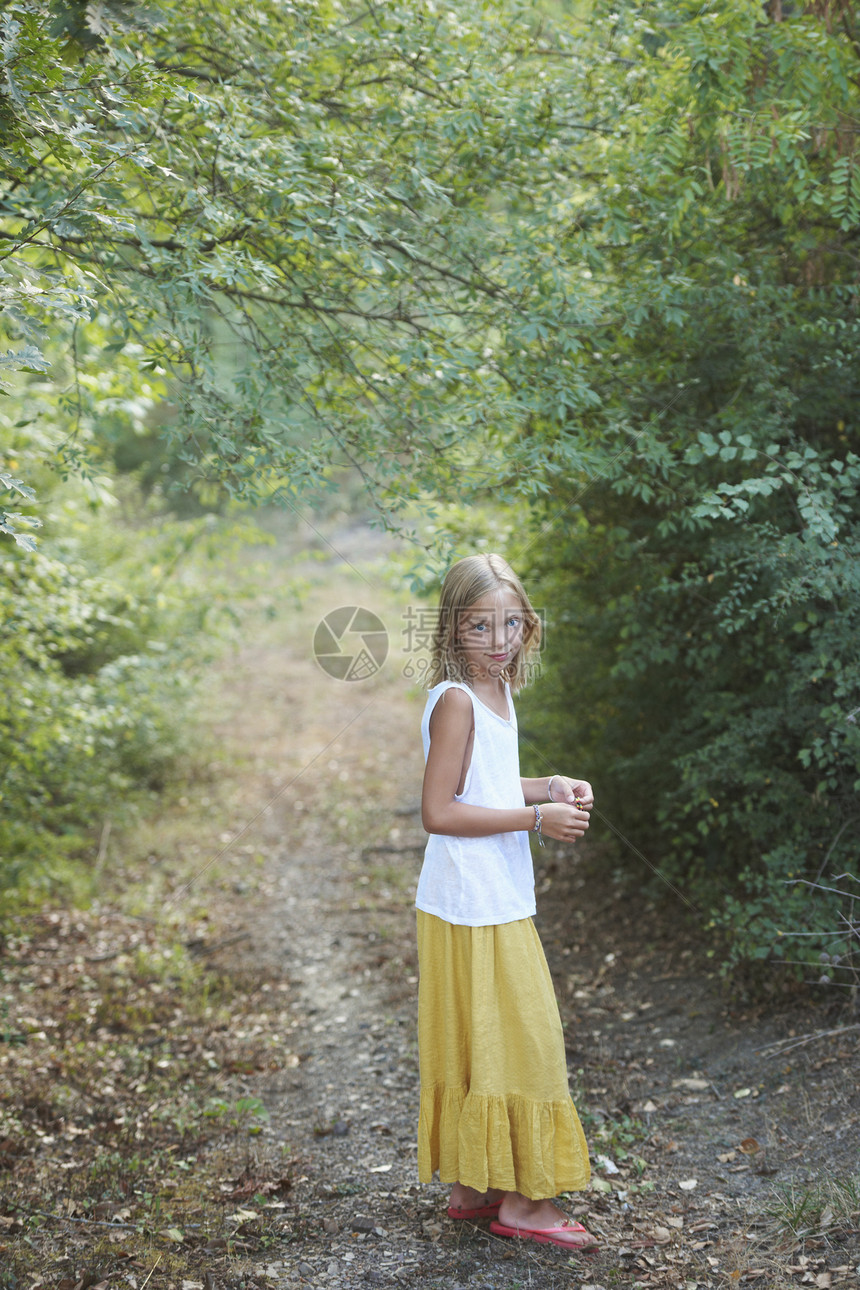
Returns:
<point x="693" y="1113"/>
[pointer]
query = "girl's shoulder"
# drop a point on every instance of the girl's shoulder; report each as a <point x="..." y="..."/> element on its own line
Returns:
<point x="456" y="692"/>
<point x="449" y="685"/>
<point x="452" y="697"/>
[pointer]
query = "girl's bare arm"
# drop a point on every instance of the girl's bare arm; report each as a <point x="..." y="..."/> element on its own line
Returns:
<point x="450" y="727"/>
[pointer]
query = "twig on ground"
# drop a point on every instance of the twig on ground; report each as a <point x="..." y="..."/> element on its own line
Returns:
<point x="70" y="1218"/>
<point x="154" y="1266"/>
<point x="794" y="1041"/>
<point x="200" y="950"/>
<point x="91" y="1222"/>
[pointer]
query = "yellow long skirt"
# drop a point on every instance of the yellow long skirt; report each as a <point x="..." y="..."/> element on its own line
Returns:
<point x="495" y="1106"/>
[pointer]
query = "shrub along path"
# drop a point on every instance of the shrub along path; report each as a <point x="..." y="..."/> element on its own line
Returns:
<point x="217" y="1086"/>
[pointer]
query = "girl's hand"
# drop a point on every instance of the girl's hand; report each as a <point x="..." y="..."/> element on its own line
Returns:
<point x="562" y="822"/>
<point x="562" y="789"/>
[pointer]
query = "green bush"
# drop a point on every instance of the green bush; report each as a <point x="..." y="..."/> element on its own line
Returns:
<point x="703" y="654"/>
<point x="702" y="570"/>
<point x="100" y="632"/>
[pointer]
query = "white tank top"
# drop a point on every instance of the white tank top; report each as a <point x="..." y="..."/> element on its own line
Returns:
<point x="480" y="881"/>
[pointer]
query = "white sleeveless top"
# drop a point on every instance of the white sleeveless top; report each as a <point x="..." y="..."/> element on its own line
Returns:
<point x="480" y="881"/>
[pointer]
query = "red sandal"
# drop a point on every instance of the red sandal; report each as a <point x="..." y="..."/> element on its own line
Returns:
<point x="550" y="1235"/>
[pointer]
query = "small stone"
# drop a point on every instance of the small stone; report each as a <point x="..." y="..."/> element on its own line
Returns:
<point x="340" y="1129"/>
<point x="306" y="1270"/>
<point x="330" y="1227"/>
<point x="362" y="1224"/>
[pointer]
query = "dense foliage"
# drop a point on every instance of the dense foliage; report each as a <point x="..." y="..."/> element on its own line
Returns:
<point x="603" y="262"/>
<point x="297" y="226"/>
<point x="101" y="631"/>
<point x="706" y="577"/>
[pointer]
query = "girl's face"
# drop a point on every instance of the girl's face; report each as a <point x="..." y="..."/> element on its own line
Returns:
<point x="490" y="634"/>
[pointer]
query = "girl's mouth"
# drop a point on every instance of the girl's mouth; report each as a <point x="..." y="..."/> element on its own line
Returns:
<point x="498" y="658"/>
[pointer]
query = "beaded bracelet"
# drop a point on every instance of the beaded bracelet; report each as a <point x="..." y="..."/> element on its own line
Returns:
<point x="536" y="828"/>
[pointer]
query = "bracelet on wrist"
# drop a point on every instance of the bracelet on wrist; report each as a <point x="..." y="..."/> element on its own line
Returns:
<point x="549" y="787"/>
<point x="537" y="825"/>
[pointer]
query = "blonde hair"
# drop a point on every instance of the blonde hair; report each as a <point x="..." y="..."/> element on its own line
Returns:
<point x="465" y="582"/>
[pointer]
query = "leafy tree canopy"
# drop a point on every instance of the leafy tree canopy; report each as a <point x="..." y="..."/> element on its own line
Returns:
<point x="313" y="233"/>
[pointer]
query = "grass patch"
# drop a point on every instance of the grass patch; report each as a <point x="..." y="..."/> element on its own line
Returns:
<point x="825" y="1207"/>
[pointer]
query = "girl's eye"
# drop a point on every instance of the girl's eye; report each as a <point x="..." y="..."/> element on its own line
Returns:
<point x="513" y="621"/>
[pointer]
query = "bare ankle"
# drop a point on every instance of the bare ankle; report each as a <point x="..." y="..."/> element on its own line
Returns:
<point x="465" y="1197"/>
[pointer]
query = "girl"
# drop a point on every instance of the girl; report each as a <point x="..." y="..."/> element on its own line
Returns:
<point x="496" y="1117"/>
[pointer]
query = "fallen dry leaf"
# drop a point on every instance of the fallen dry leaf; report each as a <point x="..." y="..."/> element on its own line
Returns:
<point x="242" y="1216"/>
<point x="257" y="1187"/>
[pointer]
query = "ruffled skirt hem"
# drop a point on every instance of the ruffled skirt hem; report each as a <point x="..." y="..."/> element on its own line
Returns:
<point x="503" y="1141"/>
